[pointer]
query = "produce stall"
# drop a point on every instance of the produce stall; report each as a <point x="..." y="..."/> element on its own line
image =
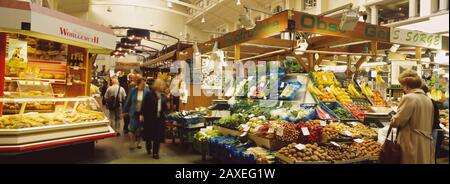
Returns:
<point x="45" y="60"/>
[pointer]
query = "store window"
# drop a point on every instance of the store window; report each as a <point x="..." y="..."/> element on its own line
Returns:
<point x="309" y="4"/>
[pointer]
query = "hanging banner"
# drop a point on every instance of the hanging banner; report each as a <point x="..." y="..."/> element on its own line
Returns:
<point x="330" y="26"/>
<point x="416" y="38"/>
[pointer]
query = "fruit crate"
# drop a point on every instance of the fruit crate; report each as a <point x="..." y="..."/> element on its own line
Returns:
<point x="227" y="131"/>
<point x="286" y="160"/>
<point x="327" y="106"/>
<point x="270" y="144"/>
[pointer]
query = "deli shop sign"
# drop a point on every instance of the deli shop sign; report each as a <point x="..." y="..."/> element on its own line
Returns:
<point x="64" y="31"/>
<point x="416" y="38"/>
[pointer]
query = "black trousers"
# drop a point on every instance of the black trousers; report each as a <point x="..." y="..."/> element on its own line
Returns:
<point x="126" y="122"/>
<point x="152" y="146"/>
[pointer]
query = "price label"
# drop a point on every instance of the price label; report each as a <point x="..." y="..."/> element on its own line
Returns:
<point x="373" y="74"/>
<point x="348" y="133"/>
<point x="335" y="144"/>
<point x="358" y="140"/>
<point x="270" y="131"/>
<point x="305" y="131"/>
<point x="281" y="104"/>
<point x="353" y="123"/>
<point x="209" y="127"/>
<point x="280" y="131"/>
<point x="245" y="127"/>
<point x="300" y="146"/>
<point x="282" y="85"/>
<point x="76" y="67"/>
<point x="251" y="116"/>
<point x="240" y="114"/>
<point x="203" y="131"/>
<point x="243" y="134"/>
<point x="265" y="98"/>
<point x="323" y="123"/>
<point x="324" y="78"/>
<point x="328" y="89"/>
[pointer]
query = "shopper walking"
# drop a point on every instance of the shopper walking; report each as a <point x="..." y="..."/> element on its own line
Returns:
<point x="114" y="96"/>
<point x="154" y="111"/>
<point x="131" y="80"/>
<point x="133" y="107"/>
<point x="414" y="121"/>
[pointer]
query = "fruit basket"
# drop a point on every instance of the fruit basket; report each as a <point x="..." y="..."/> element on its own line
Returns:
<point x="338" y="111"/>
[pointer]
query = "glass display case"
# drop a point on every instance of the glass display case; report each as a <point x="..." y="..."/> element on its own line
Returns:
<point x="64" y="117"/>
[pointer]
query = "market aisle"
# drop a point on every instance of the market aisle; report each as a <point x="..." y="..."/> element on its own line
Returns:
<point x="115" y="151"/>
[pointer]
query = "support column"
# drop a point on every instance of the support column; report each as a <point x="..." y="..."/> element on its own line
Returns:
<point x="443" y="5"/>
<point x="374" y="15"/>
<point x="413" y="8"/>
<point x="427" y="7"/>
<point x="419" y="55"/>
<point x="237" y="52"/>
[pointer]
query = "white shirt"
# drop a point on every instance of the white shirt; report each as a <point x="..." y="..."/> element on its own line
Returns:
<point x="140" y="96"/>
<point x="159" y="107"/>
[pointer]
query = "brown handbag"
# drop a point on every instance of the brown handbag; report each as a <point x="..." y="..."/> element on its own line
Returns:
<point x="391" y="152"/>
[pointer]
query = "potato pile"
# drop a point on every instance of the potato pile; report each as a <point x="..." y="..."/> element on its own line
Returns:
<point x="312" y="152"/>
<point x="343" y="152"/>
<point x="368" y="148"/>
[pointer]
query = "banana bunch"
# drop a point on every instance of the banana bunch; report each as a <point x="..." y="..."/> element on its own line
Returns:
<point x="379" y="79"/>
<point x="340" y="94"/>
<point x="366" y="90"/>
<point x="314" y="90"/>
<point x="352" y="90"/>
<point x="436" y="94"/>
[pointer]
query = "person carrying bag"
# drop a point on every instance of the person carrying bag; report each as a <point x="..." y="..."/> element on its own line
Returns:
<point x="391" y="152"/>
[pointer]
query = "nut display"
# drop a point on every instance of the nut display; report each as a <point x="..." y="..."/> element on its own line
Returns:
<point x="368" y="148"/>
<point x="287" y="133"/>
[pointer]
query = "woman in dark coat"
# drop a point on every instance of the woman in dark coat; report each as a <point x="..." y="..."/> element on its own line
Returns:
<point x="154" y="112"/>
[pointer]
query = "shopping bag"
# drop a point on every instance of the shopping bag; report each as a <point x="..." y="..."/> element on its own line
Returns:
<point x="391" y="152"/>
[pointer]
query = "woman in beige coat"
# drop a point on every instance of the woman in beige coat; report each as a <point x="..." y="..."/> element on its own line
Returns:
<point x="414" y="120"/>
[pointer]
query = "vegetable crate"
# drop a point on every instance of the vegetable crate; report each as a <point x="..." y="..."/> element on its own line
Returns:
<point x="227" y="131"/>
<point x="270" y="144"/>
<point x="328" y="106"/>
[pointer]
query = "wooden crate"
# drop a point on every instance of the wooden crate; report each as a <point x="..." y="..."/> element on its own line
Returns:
<point x="271" y="144"/>
<point x="287" y="160"/>
<point x="227" y="131"/>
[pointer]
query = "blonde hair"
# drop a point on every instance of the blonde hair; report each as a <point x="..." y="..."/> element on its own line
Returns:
<point x="159" y="84"/>
<point x="411" y="79"/>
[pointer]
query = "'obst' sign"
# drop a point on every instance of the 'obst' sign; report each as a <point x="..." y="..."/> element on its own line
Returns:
<point x="416" y="38"/>
<point x="330" y="26"/>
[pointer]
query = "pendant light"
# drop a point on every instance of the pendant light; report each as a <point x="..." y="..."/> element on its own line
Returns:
<point x="203" y="19"/>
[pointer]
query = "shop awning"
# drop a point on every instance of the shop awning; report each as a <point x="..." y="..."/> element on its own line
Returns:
<point x="165" y="57"/>
<point x="33" y="20"/>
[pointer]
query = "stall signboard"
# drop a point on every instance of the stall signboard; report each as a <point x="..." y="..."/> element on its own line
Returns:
<point x="416" y="38"/>
<point x="127" y="65"/>
<point x="330" y="26"/>
<point x="266" y="28"/>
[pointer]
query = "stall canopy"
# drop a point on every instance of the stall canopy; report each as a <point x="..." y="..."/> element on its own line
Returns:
<point x="33" y="20"/>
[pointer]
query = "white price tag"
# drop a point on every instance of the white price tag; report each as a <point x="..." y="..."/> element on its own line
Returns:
<point x="270" y="131"/>
<point x="328" y="89"/>
<point x="324" y="78"/>
<point x="264" y="98"/>
<point x="323" y="123"/>
<point x="280" y="131"/>
<point x="358" y="140"/>
<point x="282" y="85"/>
<point x="245" y="127"/>
<point x="300" y="146"/>
<point x="305" y="131"/>
<point x="373" y="73"/>
<point x="281" y="104"/>
<point x="251" y="116"/>
<point x="203" y="131"/>
<point x="353" y="123"/>
<point x="240" y="114"/>
<point x="76" y="67"/>
<point x="348" y="133"/>
<point x="243" y="134"/>
<point x="209" y="127"/>
<point x="335" y="144"/>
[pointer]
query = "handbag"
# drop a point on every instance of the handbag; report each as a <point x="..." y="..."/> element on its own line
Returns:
<point x="391" y="153"/>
